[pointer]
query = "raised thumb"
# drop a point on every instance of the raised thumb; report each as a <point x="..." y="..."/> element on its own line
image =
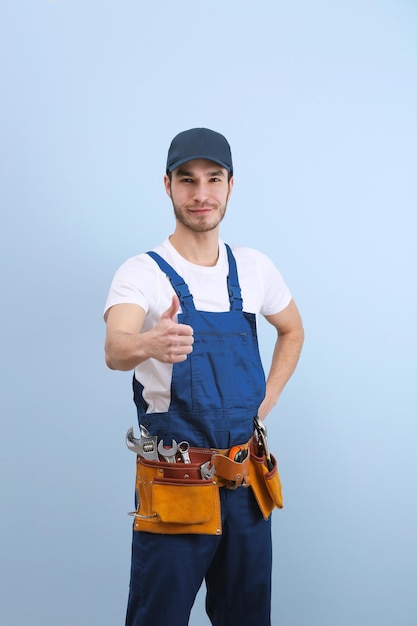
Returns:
<point x="171" y="312"/>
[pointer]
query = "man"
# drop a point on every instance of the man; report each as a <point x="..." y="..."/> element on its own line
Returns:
<point x="185" y="320"/>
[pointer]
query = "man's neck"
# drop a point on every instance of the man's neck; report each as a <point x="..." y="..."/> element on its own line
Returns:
<point x="198" y="248"/>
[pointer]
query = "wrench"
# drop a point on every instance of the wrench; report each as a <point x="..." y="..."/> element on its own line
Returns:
<point x="183" y="448"/>
<point x="144" y="432"/>
<point x="145" y="446"/>
<point x="168" y="454"/>
<point x="131" y="441"/>
<point x="207" y="470"/>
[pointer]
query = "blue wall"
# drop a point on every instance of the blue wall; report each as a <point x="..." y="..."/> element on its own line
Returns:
<point x="319" y="103"/>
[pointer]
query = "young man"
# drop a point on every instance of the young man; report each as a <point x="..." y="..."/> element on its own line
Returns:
<point x="185" y="320"/>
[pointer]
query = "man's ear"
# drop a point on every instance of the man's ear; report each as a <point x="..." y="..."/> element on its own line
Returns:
<point x="167" y="184"/>
<point x="231" y="183"/>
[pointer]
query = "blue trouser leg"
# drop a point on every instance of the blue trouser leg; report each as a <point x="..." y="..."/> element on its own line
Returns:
<point x="166" y="574"/>
<point x="239" y="577"/>
<point x="168" y="570"/>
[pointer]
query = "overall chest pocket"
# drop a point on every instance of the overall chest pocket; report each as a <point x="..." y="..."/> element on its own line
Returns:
<point x="223" y="372"/>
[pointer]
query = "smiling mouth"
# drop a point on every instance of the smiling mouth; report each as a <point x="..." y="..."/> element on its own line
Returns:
<point x="204" y="209"/>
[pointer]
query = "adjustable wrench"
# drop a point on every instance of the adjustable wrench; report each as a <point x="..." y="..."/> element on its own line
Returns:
<point x="168" y="454"/>
<point x="131" y="441"/>
<point x="144" y="432"/>
<point x="145" y="446"/>
<point x="207" y="470"/>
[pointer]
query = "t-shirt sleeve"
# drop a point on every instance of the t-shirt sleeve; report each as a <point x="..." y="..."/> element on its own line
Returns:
<point x="277" y="296"/>
<point x="264" y="290"/>
<point x="129" y="284"/>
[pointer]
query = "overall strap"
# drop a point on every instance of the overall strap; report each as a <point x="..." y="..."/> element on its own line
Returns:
<point x="178" y="284"/>
<point x="181" y="288"/>
<point x="233" y="287"/>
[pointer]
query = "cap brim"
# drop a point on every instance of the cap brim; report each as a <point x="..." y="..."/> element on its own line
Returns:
<point x="176" y="164"/>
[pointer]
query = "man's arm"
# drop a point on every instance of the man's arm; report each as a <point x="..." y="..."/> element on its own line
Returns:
<point x="286" y="354"/>
<point x="126" y="346"/>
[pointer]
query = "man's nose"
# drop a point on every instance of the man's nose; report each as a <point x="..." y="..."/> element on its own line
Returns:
<point x="201" y="193"/>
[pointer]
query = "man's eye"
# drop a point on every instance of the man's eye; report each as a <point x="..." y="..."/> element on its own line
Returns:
<point x="187" y="180"/>
<point x="215" y="180"/>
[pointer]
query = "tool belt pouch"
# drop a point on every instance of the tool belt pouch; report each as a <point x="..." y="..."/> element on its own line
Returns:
<point x="174" y="499"/>
<point x="231" y="474"/>
<point x="266" y="484"/>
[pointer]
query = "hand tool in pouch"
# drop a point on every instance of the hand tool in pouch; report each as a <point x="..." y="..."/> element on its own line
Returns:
<point x="146" y="447"/>
<point x="168" y="454"/>
<point x="262" y="440"/>
<point x="238" y="453"/>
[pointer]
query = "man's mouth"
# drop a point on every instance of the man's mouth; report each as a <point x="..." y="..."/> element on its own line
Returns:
<point x="203" y="209"/>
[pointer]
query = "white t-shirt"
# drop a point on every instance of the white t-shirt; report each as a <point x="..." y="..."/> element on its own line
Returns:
<point x="140" y="281"/>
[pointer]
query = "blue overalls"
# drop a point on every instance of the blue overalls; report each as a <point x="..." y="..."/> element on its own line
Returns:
<point x="215" y="394"/>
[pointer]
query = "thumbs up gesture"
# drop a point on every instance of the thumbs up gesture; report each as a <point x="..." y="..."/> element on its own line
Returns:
<point x="171" y="342"/>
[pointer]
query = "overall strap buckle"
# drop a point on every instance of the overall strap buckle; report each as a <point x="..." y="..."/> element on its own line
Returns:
<point x="235" y="294"/>
<point x="178" y="284"/>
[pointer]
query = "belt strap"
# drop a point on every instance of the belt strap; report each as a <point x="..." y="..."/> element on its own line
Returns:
<point x="228" y="473"/>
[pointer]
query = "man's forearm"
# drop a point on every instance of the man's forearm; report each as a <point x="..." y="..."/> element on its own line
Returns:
<point x="284" y="361"/>
<point x="124" y="351"/>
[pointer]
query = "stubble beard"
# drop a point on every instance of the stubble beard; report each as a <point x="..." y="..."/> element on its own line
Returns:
<point x="198" y="224"/>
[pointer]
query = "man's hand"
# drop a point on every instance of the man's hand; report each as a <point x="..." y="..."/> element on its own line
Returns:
<point x="169" y="341"/>
<point x="126" y="346"/>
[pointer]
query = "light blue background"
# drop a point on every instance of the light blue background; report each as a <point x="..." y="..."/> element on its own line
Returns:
<point x="319" y="101"/>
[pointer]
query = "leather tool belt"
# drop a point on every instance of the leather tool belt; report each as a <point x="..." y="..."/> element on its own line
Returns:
<point x="177" y="498"/>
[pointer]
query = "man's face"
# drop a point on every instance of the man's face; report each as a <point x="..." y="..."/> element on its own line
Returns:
<point x="199" y="191"/>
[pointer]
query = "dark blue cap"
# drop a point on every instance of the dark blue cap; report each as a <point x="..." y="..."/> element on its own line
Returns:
<point x="199" y="143"/>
